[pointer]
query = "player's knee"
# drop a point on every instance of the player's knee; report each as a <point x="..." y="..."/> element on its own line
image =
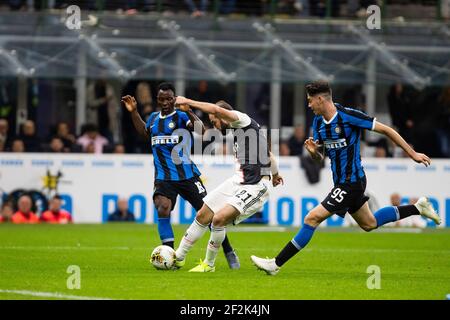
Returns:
<point x="312" y="220"/>
<point x="202" y="217"/>
<point x="163" y="209"/>
<point x="219" y="221"/>
<point x="368" y="226"/>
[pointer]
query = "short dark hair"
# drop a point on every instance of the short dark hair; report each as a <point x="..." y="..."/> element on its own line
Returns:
<point x="57" y="197"/>
<point x="223" y="104"/>
<point x="318" y="87"/>
<point x="166" y="86"/>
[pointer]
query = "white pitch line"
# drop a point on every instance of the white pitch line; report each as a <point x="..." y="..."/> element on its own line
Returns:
<point x="50" y="295"/>
<point x="60" y="248"/>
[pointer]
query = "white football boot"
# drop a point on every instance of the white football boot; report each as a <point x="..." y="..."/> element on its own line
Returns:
<point x="267" y="265"/>
<point x="426" y="210"/>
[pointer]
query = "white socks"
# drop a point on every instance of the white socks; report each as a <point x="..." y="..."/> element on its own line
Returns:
<point x="193" y="233"/>
<point x="215" y="241"/>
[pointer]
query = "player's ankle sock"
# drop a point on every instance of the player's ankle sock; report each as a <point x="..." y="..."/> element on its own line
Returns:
<point x="195" y="231"/>
<point x="216" y="239"/>
<point x="226" y="245"/>
<point x="391" y="214"/>
<point x="165" y="231"/>
<point x="295" y="245"/>
<point x="408" y="210"/>
<point x="169" y="243"/>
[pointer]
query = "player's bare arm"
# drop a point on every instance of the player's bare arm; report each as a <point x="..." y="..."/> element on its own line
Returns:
<point x="398" y="140"/>
<point x="209" y="108"/>
<point x="192" y="117"/>
<point x="313" y="148"/>
<point x="277" y="179"/>
<point x="131" y="105"/>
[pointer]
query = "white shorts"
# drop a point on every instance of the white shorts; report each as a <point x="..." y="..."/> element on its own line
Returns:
<point x="246" y="198"/>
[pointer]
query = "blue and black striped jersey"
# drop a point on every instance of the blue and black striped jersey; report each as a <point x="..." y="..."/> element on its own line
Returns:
<point x="340" y="137"/>
<point x="176" y="165"/>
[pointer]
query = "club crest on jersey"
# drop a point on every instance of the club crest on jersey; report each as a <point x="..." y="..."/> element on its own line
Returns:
<point x="171" y="124"/>
<point x="337" y="130"/>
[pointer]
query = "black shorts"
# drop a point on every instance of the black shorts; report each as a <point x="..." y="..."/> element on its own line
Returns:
<point x="192" y="190"/>
<point x="347" y="197"/>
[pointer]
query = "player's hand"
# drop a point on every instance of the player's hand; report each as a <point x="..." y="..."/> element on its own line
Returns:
<point x="277" y="180"/>
<point x="421" y="158"/>
<point x="182" y="101"/>
<point x="130" y="103"/>
<point x="311" y="145"/>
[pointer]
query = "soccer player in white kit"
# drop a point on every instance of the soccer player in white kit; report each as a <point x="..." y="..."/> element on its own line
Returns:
<point x="240" y="196"/>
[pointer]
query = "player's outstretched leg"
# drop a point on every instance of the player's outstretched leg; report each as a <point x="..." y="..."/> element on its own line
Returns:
<point x="301" y="239"/>
<point x="195" y="231"/>
<point x="163" y="206"/>
<point x="394" y="213"/>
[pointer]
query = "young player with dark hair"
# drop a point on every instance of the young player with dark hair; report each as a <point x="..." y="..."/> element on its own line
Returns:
<point x="173" y="177"/>
<point x="337" y="133"/>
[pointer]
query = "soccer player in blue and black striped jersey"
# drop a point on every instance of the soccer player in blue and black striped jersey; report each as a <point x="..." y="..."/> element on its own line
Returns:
<point x="336" y="133"/>
<point x="175" y="173"/>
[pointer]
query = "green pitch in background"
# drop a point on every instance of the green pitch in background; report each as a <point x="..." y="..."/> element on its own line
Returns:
<point x="111" y="261"/>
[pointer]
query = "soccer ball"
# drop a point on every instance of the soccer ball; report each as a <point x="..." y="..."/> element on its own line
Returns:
<point x="163" y="257"/>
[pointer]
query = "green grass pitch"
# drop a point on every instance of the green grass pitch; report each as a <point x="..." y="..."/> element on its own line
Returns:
<point x="113" y="260"/>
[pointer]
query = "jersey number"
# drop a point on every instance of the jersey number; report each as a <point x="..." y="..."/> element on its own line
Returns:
<point x="338" y="195"/>
<point x="201" y="189"/>
<point x="243" y="193"/>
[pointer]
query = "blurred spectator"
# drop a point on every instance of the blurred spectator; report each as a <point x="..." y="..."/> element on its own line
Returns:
<point x="195" y="11"/>
<point x="55" y="214"/>
<point x="443" y="125"/>
<point x="6" y="212"/>
<point x="24" y="213"/>
<point x="400" y="110"/>
<point x="445" y="10"/>
<point x="5" y="138"/>
<point x="29" y="137"/>
<point x="380" y="144"/>
<point x="119" y="149"/>
<point x="201" y="93"/>
<point x="122" y="213"/>
<point x="380" y="152"/>
<point x="17" y="145"/>
<point x="284" y="149"/>
<point x="103" y="107"/>
<point x="56" y="146"/>
<point x="63" y="132"/>
<point x="296" y="141"/>
<point x="302" y="7"/>
<point x="132" y="141"/>
<point x="396" y="200"/>
<point x="91" y="141"/>
<point x="144" y="99"/>
<point x="227" y="6"/>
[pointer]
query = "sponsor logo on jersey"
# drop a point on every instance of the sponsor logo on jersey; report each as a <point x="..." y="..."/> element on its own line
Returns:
<point x="335" y="144"/>
<point x="165" y="140"/>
